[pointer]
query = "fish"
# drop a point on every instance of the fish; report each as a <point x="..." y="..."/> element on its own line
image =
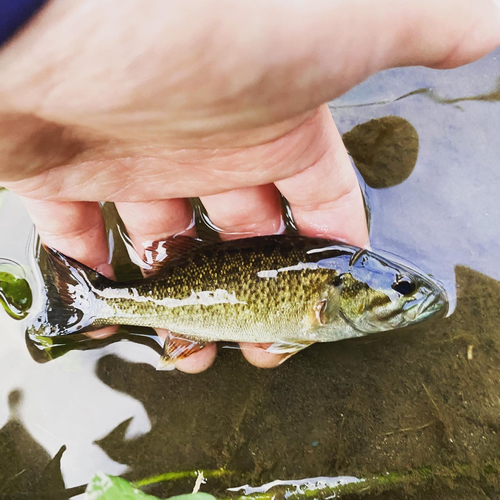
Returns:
<point x="290" y="291"/>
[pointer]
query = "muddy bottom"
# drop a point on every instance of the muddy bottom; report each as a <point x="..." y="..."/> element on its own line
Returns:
<point x="422" y="404"/>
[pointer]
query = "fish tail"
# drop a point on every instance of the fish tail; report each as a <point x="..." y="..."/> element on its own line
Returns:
<point x="70" y="299"/>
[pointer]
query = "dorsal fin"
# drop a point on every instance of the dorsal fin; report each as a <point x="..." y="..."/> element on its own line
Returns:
<point x="161" y="253"/>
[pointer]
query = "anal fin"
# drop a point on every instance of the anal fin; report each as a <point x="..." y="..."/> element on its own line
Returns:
<point x="290" y="348"/>
<point x="177" y="348"/>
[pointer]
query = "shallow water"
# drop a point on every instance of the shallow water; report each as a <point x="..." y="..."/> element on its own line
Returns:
<point x="421" y="403"/>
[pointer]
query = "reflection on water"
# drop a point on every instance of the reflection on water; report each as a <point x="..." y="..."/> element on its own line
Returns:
<point x="423" y="399"/>
<point x="491" y="96"/>
<point x="300" y="486"/>
<point x="44" y="349"/>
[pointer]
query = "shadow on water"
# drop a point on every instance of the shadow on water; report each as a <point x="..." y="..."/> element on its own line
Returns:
<point x="357" y="407"/>
<point x="27" y="471"/>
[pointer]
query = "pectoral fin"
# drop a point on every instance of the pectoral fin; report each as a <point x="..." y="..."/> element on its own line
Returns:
<point x="177" y="348"/>
<point x="289" y="348"/>
<point x="325" y="309"/>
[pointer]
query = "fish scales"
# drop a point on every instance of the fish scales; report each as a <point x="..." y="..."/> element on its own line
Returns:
<point x="228" y="292"/>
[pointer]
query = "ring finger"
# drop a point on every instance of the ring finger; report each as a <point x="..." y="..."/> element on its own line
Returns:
<point x="158" y="220"/>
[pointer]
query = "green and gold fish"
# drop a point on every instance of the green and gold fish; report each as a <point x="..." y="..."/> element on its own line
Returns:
<point x="291" y="291"/>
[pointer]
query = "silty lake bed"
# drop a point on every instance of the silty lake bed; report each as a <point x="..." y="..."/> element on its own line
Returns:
<point x="422" y="404"/>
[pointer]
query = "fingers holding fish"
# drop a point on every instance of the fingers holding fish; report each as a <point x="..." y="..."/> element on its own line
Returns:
<point x="74" y="228"/>
<point x="252" y="211"/>
<point x="258" y="355"/>
<point x="325" y="198"/>
<point x="155" y="221"/>
<point x="320" y="208"/>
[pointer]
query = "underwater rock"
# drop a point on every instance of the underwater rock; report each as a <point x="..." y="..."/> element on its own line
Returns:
<point x="384" y="150"/>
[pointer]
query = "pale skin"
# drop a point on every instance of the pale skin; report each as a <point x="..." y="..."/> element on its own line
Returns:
<point x="145" y="103"/>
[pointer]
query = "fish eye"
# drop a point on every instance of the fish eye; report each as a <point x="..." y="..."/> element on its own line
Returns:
<point x="337" y="281"/>
<point x="404" y="285"/>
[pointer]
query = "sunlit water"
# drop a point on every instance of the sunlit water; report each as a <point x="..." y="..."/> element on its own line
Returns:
<point x="427" y="397"/>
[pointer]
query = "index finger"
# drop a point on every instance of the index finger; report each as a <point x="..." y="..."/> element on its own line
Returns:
<point x="325" y="197"/>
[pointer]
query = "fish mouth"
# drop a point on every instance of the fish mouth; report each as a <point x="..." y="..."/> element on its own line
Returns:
<point x="435" y="302"/>
<point x="430" y="305"/>
<point x="441" y="303"/>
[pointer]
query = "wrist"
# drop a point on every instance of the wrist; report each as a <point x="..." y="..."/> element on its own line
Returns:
<point x="24" y="64"/>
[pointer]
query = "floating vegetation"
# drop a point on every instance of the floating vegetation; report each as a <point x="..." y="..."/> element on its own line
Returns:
<point x="15" y="292"/>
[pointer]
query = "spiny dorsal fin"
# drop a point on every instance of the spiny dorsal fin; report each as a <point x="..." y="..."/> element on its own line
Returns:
<point x="161" y="253"/>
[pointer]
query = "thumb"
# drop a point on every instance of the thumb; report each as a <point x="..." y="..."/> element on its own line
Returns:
<point x="336" y="45"/>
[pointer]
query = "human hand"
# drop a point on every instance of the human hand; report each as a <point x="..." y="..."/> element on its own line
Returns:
<point x="148" y="103"/>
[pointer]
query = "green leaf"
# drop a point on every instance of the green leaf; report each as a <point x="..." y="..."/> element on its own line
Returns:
<point x="104" y="487"/>
<point x="193" y="496"/>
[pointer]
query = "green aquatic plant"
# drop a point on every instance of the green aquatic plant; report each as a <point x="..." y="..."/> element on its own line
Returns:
<point x="172" y="476"/>
<point x="15" y="292"/>
<point x="104" y="487"/>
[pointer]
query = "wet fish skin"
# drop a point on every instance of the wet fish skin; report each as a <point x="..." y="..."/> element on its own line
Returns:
<point x="261" y="289"/>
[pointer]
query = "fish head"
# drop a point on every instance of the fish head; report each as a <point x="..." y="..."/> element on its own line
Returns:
<point x="379" y="294"/>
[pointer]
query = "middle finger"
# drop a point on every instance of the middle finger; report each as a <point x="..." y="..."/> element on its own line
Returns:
<point x="248" y="212"/>
<point x="158" y="220"/>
